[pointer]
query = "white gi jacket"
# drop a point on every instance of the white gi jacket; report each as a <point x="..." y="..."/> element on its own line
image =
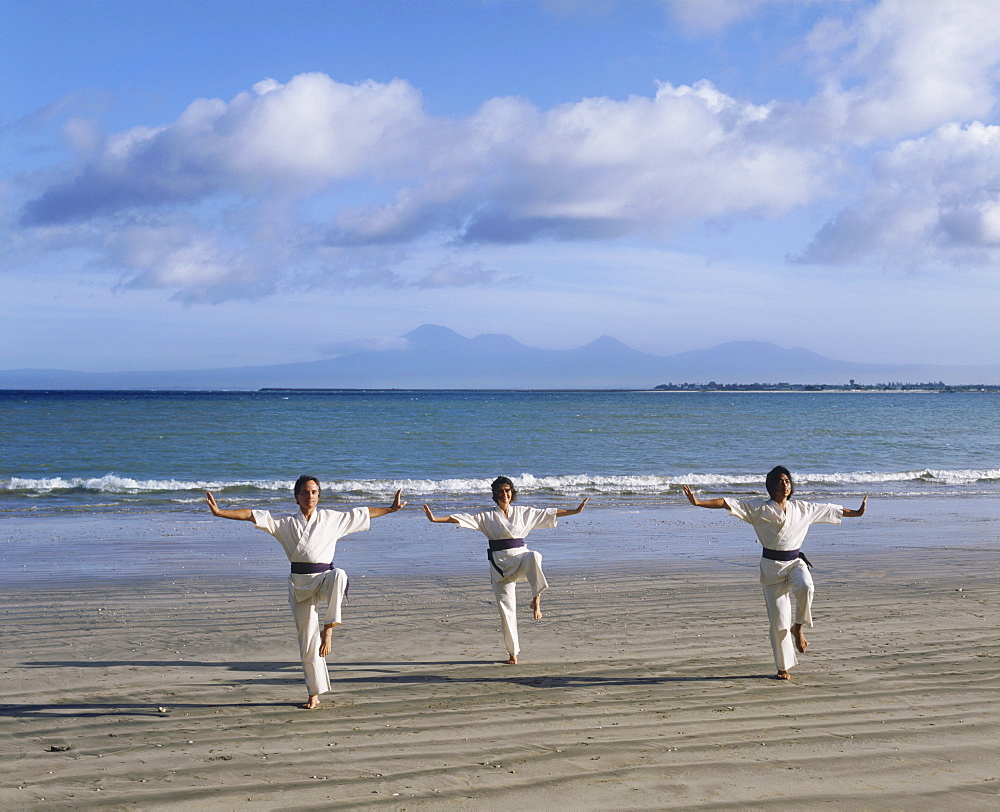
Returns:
<point x="779" y="529"/>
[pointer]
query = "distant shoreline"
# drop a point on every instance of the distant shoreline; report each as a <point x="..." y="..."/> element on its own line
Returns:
<point x="782" y="388"/>
<point x="810" y="389"/>
<point x="852" y="387"/>
<point x="953" y="390"/>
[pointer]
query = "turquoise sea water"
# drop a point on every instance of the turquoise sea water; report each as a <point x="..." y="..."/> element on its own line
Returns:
<point x="123" y="452"/>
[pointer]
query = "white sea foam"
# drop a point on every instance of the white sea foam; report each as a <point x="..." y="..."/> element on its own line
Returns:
<point x="960" y="477"/>
<point x="113" y="483"/>
<point x="573" y="484"/>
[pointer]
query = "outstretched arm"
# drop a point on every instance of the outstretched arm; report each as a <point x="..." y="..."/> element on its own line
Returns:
<point x="439" y="519"/>
<point x="240" y="514"/>
<point x="396" y="505"/>
<point x="705" y="503"/>
<point x="561" y="512"/>
<point x="853" y="514"/>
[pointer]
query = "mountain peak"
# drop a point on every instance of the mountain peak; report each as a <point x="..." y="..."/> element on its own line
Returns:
<point x="497" y="341"/>
<point x="433" y="335"/>
<point x="607" y="343"/>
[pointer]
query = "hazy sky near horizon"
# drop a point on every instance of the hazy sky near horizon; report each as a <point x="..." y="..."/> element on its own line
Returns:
<point x="223" y="183"/>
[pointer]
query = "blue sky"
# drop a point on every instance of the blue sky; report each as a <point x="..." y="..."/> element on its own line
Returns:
<point x="189" y="185"/>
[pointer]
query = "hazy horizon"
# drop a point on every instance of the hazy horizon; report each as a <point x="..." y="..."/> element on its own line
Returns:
<point x="436" y="357"/>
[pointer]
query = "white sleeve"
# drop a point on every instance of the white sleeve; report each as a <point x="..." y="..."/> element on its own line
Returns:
<point x="470" y="521"/>
<point x="357" y="519"/>
<point x="541" y="518"/>
<point x="738" y="508"/>
<point x="825" y="514"/>
<point x="262" y="521"/>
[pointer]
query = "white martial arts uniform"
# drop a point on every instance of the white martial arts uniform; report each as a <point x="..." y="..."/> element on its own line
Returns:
<point x="314" y="542"/>
<point x="517" y="564"/>
<point x="786" y="529"/>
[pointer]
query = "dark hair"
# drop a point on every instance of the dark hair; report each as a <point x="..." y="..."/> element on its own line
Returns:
<point x="503" y="480"/>
<point x="774" y="476"/>
<point x="300" y="483"/>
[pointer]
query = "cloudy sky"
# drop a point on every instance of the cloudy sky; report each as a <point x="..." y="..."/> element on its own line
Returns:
<point x="221" y="183"/>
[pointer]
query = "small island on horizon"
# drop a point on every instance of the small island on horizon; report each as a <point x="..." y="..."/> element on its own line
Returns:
<point x="850" y="386"/>
<point x="711" y="386"/>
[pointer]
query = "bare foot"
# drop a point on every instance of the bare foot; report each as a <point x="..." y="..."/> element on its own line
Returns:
<point x="512" y="660"/>
<point x="800" y="639"/>
<point x="326" y="642"/>
<point x="782" y="675"/>
<point x="536" y="606"/>
<point x="313" y="703"/>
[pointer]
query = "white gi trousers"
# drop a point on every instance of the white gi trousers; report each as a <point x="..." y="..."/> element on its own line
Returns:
<point x="517" y="564"/>
<point x="305" y="593"/>
<point x="784" y="581"/>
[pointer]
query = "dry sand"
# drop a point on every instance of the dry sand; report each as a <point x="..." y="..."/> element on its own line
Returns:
<point x="642" y="688"/>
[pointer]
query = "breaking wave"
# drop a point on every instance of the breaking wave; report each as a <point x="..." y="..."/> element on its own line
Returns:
<point x="119" y="489"/>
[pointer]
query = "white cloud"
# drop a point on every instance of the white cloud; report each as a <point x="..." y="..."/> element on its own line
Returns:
<point x="509" y="173"/>
<point x="212" y="204"/>
<point x="901" y="67"/>
<point x="601" y="168"/>
<point x="615" y="166"/>
<point x="203" y="264"/>
<point x="933" y="201"/>
<point x="291" y="139"/>
<point x="316" y="130"/>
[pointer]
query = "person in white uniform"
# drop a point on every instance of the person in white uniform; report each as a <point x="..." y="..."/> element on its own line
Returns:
<point x="781" y="524"/>
<point x="510" y="560"/>
<point x="309" y="538"/>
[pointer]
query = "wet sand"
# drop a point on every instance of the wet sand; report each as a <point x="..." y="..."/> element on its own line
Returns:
<point x="646" y="685"/>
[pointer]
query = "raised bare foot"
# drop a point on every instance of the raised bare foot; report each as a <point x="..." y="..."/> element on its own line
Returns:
<point x="512" y="660"/>
<point x="326" y="641"/>
<point x="800" y="639"/>
<point x="782" y="675"/>
<point x="536" y="606"/>
<point x="313" y="703"/>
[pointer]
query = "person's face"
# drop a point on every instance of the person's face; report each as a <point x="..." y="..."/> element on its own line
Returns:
<point x="308" y="497"/>
<point x="502" y="495"/>
<point x="782" y="487"/>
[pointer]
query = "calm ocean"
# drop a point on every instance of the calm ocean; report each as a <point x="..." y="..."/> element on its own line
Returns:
<point x="123" y="452"/>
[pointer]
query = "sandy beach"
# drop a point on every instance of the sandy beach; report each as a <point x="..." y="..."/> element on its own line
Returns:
<point x="645" y="686"/>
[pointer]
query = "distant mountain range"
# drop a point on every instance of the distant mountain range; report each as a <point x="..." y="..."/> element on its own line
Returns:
<point x="433" y="357"/>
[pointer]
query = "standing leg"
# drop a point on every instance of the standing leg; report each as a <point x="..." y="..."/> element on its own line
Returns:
<point x="779" y="615"/>
<point x="507" y="604"/>
<point x="307" y="625"/>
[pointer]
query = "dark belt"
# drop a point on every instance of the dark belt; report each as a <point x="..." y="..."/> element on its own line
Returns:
<point x="785" y="555"/>
<point x="308" y="568"/>
<point x="505" y="544"/>
<point x="501" y="544"/>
